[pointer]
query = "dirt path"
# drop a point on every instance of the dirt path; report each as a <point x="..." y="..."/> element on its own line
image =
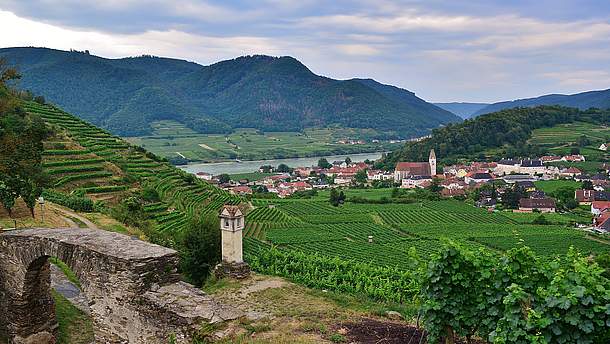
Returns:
<point x="68" y="213"/>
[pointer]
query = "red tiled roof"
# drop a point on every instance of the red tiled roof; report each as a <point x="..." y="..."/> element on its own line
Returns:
<point x="414" y="168"/>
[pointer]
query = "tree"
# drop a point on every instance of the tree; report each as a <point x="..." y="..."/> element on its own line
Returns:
<point x="334" y="197"/>
<point x="224" y="178"/>
<point x="31" y="189"/>
<point x="511" y="197"/>
<point x="574" y="150"/>
<point x="361" y="177"/>
<point x="200" y="248"/>
<point x="8" y="195"/>
<point x="341" y="197"/>
<point x="266" y="168"/>
<point x="283" y="168"/>
<point x="435" y="186"/>
<point x="348" y="160"/>
<point x="583" y="141"/>
<point x="587" y="185"/>
<point x="323" y="163"/>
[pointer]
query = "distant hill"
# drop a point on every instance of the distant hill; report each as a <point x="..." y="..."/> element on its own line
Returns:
<point x="505" y="133"/>
<point x="583" y="101"/>
<point x="464" y="110"/>
<point x="268" y="93"/>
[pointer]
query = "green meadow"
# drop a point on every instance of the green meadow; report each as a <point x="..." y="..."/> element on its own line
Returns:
<point x="173" y="139"/>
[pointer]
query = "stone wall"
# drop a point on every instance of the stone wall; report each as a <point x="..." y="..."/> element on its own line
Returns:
<point x="134" y="292"/>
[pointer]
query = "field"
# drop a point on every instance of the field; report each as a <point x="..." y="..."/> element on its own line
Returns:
<point x="569" y="133"/>
<point x="172" y="139"/>
<point x="550" y="186"/>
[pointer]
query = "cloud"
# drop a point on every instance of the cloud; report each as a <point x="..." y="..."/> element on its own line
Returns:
<point x="358" y="49"/>
<point x="458" y="50"/>
<point x="174" y="43"/>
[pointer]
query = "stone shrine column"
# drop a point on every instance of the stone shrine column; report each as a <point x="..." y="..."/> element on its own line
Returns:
<point x="232" y="224"/>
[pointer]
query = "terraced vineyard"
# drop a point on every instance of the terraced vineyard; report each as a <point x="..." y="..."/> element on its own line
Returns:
<point x="81" y="158"/>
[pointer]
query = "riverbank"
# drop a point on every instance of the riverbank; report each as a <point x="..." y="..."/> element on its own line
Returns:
<point x="234" y="167"/>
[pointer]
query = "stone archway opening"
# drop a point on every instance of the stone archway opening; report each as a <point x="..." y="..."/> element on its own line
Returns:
<point x="132" y="287"/>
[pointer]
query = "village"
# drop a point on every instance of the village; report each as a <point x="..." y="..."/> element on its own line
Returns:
<point x="489" y="184"/>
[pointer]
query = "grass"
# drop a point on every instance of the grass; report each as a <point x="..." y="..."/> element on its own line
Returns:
<point x="550" y="186"/>
<point x="364" y="193"/>
<point x="78" y="222"/>
<point x="66" y="270"/>
<point x="569" y="133"/>
<point x="172" y="139"/>
<point x="74" y="325"/>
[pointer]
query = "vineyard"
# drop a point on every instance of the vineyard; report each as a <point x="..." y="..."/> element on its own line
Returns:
<point x="391" y="236"/>
<point x="87" y="164"/>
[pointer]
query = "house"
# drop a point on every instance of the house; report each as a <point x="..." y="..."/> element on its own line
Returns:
<point x="446" y="192"/>
<point x="598" y="207"/>
<point x="411" y="169"/>
<point x="573" y="158"/>
<point x="550" y="158"/>
<point x="477" y="177"/>
<point x="453" y="184"/>
<point x="411" y="182"/>
<point x="532" y="166"/>
<point x="602" y="223"/>
<point x="507" y="166"/>
<point x="241" y="190"/>
<point x="604" y="146"/>
<point x="489" y="203"/>
<point x="586" y="197"/>
<point x="204" y="175"/>
<point x="544" y="205"/>
<point x="379" y="175"/>
<point x="527" y="185"/>
<point x="537" y="194"/>
<point x="340" y="163"/>
<point x="571" y="172"/>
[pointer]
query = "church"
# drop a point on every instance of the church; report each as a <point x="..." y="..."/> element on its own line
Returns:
<point x="406" y="170"/>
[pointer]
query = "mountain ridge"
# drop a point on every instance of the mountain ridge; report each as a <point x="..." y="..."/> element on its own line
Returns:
<point x="264" y="92"/>
<point x="583" y="100"/>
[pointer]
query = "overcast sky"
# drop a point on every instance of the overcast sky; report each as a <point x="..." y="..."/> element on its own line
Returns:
<point x="454" y="50"/>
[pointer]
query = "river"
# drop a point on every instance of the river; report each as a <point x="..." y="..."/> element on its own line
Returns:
<point x="234" y="167"/>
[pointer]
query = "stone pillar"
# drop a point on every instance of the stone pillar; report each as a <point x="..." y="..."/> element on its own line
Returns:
<point x="231" y="227"/>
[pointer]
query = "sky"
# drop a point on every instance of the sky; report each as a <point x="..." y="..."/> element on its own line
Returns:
<point x="454" y="50"/>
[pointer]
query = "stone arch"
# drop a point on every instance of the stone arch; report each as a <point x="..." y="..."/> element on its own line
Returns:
<point x="127" y="282"/>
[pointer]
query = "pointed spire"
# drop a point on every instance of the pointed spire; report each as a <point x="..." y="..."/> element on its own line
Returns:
<point x="432" y="154"/>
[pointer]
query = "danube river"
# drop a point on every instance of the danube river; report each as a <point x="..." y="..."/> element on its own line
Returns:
<point x="234" y="167"/>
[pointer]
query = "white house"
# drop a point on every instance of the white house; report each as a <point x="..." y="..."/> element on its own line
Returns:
<point x="604" y="146"/>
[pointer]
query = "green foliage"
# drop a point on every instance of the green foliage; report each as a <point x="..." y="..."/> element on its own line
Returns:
<point x="72" y="201"/>
<point x="21" y="147"/>
<point x="380" y="283"/>
<point x="515" y="297"/>
<point x="323" y="163"/>
<point x="200" y="248"/>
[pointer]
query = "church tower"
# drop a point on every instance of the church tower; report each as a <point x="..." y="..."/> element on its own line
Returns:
<point x="432" y="162"/>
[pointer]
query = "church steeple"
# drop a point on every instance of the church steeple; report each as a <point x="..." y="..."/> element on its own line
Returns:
<point x="432" y="162"/>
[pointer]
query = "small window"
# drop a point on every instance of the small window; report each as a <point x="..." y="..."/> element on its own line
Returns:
<point x="226" y="223"/>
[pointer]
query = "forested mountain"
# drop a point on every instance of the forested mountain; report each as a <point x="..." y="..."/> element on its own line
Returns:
<point x="464" y="110"/>
<point x="268" y="93"/>
<point x="583" y="101"/>
<point x="508" y="129"/>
